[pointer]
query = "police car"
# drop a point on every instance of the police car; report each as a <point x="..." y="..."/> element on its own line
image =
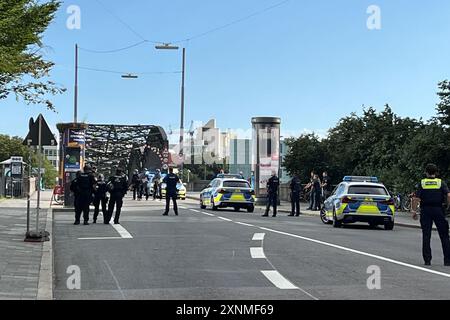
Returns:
<point x="181" y="189"/>
<point x="228" y="192"/>
<point x="359" y="199"/>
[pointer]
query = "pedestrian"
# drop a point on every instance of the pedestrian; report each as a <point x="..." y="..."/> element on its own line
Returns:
<point x="171" y="180"/>
<point x="316" y="193"/>
<point x="326" y="186"/>
<point x="76" y="193"/>
<point x="296" y="188"/>
<point x="157" y="185"/>
<point x="100" y="197"/>
<point x="117" y="188"/>
<point x="309" y="190"/>
<point x="242" y="175"/>
<point x="272" y="194"/>
<point x="251" y="180"/>
<point x="85" y="188"/>
<point x="135" y="183"/>
<point x="434" y="196"/>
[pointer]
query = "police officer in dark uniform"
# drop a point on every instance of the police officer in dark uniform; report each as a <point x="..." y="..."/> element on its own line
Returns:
<point x="296" y="188"/>
<point x="100" y="197"/>
<point x="74" y="189"/>
<point x="272" y="194"/>
<point x="85" y="191"/>
<point x="135" y="183"/>
<point x="434" y="196"/>
<point x="117" y="187"/>
<point x="171" y="180"/>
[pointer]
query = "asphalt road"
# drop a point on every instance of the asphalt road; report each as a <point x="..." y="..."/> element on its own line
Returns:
<point x="206" y="255"/>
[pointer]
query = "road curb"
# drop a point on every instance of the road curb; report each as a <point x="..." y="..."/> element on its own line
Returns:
<point x="45" y="286"/>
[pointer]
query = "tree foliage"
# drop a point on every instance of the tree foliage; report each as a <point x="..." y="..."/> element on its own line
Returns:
<point x="23" y="70"/>
<point x="381" y="144"/>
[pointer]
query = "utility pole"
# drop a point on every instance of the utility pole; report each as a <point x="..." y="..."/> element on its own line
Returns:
<point x="182" y="112"/>
<point x="39" y="173"/>
<point x="75" y="104"/>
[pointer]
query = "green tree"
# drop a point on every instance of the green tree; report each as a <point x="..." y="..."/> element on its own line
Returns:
<point x="306" y="153"/>
<point x="23" y="70"/>
<point x="443" y="107"/>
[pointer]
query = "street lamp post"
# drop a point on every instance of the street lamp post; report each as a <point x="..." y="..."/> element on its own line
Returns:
<point x="170" y="47"/>
<point x="75" y="103"/>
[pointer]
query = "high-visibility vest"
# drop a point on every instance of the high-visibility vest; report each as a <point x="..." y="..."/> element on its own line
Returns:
<point x="431" y="195"/>
<point x="431" y="184"/>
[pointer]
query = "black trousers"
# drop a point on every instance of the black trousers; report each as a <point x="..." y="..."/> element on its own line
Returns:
<point x="97" y="201"/>
<point x="174" y="200"/>
<point x="117" y="201"/>
<point x="82" y="206"/>
<point x="272" y="201"/>
<point x="295" y="203"/>
<point x="135" y="191"/>
<point x="427" y="217"/>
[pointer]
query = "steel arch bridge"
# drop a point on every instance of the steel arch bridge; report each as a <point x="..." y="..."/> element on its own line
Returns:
<point x="127" y="146"/>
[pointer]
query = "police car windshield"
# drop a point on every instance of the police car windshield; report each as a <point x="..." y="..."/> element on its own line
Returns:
<point x="376" y="190"/>
<point x="236" y="184"/>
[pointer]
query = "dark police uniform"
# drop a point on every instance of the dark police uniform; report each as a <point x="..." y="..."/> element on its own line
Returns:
<point x="100" y="197"/>
<point x="74" y="189"/>
<point x="135" y="182"/>
<point x="117" y="187"/>
<point x="171" y="180"/>
<point x="84" y="190"/>
<point x="296" y="188"/>
<point x="433" y="196"/>
<point x="272" y="194"/>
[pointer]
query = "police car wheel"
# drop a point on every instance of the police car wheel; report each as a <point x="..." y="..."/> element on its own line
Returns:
<point x="251" y="209"/>
<point x="336" y="222"/>
<point x="389" y="225"/>
<point x="323" y="217"/>
<point x="202" y="206"/>
<point x="237" y="209"/>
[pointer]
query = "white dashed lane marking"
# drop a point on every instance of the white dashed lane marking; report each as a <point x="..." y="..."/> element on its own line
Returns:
<point x="258" y="236"/>
<point x="122" y="231"/>
<point x="257" y="253"/>
<point x="225" y="219"/>
<point x="278" y="280"/>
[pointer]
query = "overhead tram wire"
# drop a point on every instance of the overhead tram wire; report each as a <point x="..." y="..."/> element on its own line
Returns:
<point x="127" y="72"/>
<point x="259" y="12"/>
<point x="256" y="13"/>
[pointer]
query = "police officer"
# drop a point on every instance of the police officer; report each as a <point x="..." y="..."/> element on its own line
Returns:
<point x="100" y="197"/>
<point x="296" y="188"/>
<point x="433" y="194"/>
<point x="85" y="190"/>
<point x="135" y="183"/>
<point x="272" y="194"/>
<point x="157" y="185"/>
<point x="117" y="187"/>
<point x="76" y="193"/>
<point x="171" y="180"/>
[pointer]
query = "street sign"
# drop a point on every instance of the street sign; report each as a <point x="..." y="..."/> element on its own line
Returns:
<point x="47" y="137"/>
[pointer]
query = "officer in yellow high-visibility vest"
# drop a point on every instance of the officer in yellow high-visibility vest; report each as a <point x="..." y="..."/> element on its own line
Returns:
<point x="434" y="196"/>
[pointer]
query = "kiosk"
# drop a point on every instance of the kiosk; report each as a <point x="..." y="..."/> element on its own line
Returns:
<point x="265" y="154"/>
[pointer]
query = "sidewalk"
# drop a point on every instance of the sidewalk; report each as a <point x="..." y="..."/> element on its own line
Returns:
<point x="403" y="219"/>
<point x="20" y="263"/>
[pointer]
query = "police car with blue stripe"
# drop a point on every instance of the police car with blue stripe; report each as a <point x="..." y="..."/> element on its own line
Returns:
<point x="359" y="199"/>
<point x="228" y="192"/>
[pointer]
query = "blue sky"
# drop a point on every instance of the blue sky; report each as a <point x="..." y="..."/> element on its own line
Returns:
<point x="309" y="62"/>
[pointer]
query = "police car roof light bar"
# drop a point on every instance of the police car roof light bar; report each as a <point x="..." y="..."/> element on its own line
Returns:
<point x="360" y="179"/>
